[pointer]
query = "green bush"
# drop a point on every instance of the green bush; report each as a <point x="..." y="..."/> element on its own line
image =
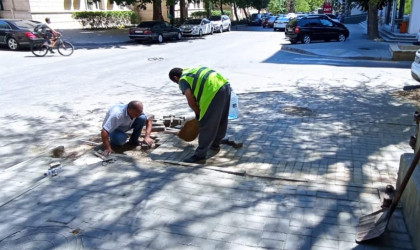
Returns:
<point x="200" y="14"/>
<point x="106" y="19"/>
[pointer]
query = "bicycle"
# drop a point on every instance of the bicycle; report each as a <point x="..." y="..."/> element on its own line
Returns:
<point x="63" y="47"/>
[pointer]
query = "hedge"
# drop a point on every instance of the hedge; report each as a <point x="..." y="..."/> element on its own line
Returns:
<point x="199" y="14"/>
<point x="106" y="19"/>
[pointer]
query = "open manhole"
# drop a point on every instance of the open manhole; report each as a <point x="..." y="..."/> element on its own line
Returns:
<point x="297" y="111"/>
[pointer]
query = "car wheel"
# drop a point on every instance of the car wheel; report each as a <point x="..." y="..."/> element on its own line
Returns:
<point x="275" y="29"/>
<point x="221" y="29"/>
<point x="12" y="43"/>
<point x="228" y="29"/>
<point x="212" y="31"/>
<point x="179" y="36"/>
<point x="341" y="37"/>
<point x="200" y="33"/>
<point x="160" y="38"/>
<point x="306" y="39"/>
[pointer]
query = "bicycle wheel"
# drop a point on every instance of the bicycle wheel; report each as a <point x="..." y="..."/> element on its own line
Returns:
<point x="39" y="49"/>
<point x="65" y="48"/>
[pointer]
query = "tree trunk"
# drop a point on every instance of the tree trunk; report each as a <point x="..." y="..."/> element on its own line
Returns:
<point x="372" y="26"/>
<point x="221" y="7"/>
<point x="182" y="10"/>
<point x="235" y="11"/>
<point x="157" y="10"/>
<point x="246" y="13"/>
<point x="207" y="7"/>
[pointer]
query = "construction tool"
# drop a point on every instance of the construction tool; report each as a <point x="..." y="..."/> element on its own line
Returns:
<point x="188" y="132"/>
<point x="373" y="225"/>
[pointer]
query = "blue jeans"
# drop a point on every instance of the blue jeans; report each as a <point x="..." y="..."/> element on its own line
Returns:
<point x="119" y="137"/>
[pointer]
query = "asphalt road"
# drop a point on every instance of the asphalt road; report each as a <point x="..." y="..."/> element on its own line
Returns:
<point x="48" y="101"/>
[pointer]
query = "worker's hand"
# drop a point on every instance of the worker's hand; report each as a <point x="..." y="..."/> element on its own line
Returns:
<point x="148" y="140"/>
<point x="108" y="151"/>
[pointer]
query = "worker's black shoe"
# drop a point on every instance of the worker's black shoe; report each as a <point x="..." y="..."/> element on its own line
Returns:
<point x="195" y="159"/>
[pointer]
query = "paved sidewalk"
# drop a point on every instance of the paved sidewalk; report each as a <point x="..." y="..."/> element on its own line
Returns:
<point x="337" y="166"/>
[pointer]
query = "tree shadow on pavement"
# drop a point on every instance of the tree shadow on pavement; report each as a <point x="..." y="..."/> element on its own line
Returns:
<point x="338" y="154"/>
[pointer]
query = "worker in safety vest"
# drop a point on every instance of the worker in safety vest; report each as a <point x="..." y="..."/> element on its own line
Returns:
<point x="208" y="95"/>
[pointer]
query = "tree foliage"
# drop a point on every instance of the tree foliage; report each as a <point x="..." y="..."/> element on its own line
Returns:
<point x="302" y="6"/>
<point x="277" y="6"/>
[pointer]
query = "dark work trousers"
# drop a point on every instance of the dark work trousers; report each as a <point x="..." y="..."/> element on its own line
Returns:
<point x="213" y="125"/>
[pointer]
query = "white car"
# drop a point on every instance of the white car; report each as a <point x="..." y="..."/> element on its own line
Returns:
<point x="221" y="23"/>
<point x="280" y="23"/>
<point x="196" y="27"/>
<point x="415" y="67"/>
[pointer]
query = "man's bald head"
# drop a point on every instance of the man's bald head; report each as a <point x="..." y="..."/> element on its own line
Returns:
<point x="134" y="109"/>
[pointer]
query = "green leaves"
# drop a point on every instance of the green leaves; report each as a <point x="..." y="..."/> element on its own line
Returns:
<point x="106" y="19"/>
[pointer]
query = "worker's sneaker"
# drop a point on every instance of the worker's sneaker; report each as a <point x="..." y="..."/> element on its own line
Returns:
<point x="195" y="159"/>
<point x="134" y="143"/>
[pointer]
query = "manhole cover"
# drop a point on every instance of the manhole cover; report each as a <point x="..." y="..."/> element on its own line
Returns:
<point x="42" y="238"/>
<point x="297" y="111"/>
<point x="364" y="48"/>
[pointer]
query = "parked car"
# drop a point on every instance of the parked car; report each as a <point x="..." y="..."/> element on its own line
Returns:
<point x="17" y="33"/>
<point x="154" y="31"/>
<point x="315" y="27"/>
<point x="280" y="23"/>
<point x="197" y="27"/>
<point x="256" y="19"/>
<point x="221" y="23"/>
<point x="415" y="67"/>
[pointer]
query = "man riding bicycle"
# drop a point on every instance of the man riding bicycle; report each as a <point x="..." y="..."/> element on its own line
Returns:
<point x="47" y="32"/>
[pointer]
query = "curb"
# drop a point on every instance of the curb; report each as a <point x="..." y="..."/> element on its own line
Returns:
<point x="304" y="52"/>
<point x="101" y="43"/>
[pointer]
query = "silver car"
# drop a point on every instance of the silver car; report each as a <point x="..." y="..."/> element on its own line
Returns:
<point x="221" y="23"/>
<point x="196" y="27"/>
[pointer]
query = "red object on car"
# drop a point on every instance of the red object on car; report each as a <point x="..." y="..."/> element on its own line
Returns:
<point x="30" y="35"/>
<point x="297" y="29"/>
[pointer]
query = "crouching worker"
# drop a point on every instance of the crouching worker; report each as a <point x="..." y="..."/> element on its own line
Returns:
<point x="208" y="95"/>
<point x="122" y="118"/>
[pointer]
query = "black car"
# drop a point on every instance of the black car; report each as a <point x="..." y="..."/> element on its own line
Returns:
<point x="317" y="27"/>
<point x="155" y="31"/>
<point x="16" y="33"/>
<point x="256" y="19"/>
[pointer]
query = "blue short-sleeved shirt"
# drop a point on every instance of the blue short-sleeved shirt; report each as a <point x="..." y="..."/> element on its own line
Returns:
<point x="117" y="118"/>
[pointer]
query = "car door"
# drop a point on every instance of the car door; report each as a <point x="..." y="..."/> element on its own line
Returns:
<point x="316" y="29"/>
<point x="205" y="26"/>
<point x="4" y="30"/>
<point x="329" y="30"/>
<point x="172" y="30"/>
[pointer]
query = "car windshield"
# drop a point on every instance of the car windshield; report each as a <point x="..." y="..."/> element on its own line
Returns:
<point x="215" y="18"/>
<point x="193" y="21"/>
<point x="272" y="19"/>
<point x="147" y="24"/>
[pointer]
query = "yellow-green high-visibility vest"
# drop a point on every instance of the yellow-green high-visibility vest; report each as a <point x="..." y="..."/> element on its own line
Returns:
<point x="204" y="84"/>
